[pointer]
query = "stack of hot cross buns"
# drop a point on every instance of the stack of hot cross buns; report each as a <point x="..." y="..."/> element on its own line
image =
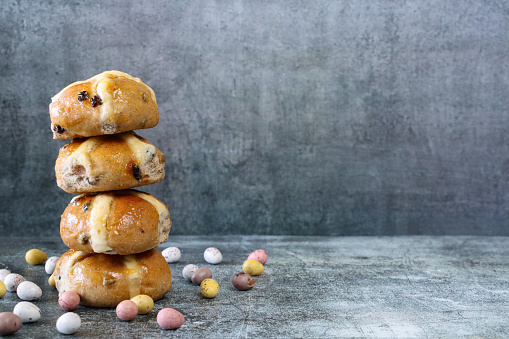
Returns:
<point x="111" y="229"/>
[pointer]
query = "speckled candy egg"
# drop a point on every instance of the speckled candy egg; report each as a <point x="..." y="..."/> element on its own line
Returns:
<point x="144" y="303"/>
<point x="188" y="271"/>
<point x="127" y="310"/>
<point x="171" y="254"/>
<point x="252" y="267"/>
<point x="4" y="273"/>
<point x="49" y="267"/>
<point x="260" y="256"/>
<point x="170" y="319"/>
<point x="69" y="323"/>
<point x="9" y="323"/>
<point x="12" y="281"/>
<point x="27" y="311"/>
<point x="27" y="290"/>
<point x="212" y="255"/>
<point x="209" y="288"/>
<point x="69" y="300"/>
<point x="201" y="274"/>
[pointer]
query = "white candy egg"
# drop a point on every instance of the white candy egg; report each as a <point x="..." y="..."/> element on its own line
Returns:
<point x="69" y="323"/>
<point x="171" y="254"/>
<point x="188" y="271"/>
<point x="27" y="290"/>
<point x="12" y="281"/>
<point x="212" y="255"/>
<point x="3" y="274"/>
<point x="27" y="311"/>
<point x="49" y="267"/>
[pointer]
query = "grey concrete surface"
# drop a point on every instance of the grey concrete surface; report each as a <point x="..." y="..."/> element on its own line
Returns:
<point x="312" y="287"/>
<point x="365" y="117"/>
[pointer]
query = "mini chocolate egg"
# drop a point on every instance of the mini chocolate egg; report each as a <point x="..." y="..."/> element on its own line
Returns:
<point x="27" y="290"/>
<point x="252" y="267"/>
<point x="69" y="323"/>
<point x="51" y="281"/>
<point x="3" y="289"/>
<point x="201" y="274"/>
<point x="260" y="256"/>
<point x="212" y="255"/>
<point x="209" y="288"/>
<point x="127" y="310"/>
<point x="170" y="319"/>
<point x="144" y="303"/>
<point x="243" y="281"/>
<point x="35" y="257"/>
<point x="9" y="323"/>
<point x="69" y="300"/>
<point x="171" y="254"/>
<point x="188" y="271"/>
<point x="12" y="281"/>
<point x="27" y="311"/>
<point x="49" y="267"/>
<point x="4" y="273"/>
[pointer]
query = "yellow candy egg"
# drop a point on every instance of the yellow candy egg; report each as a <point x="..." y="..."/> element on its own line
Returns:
<point x="3" y="289"/>
<point x="144" y="302"/>
<point x="252" y="267"/>
<point x="51" y="281"/>
<point x="209" y="288"/>
<point x="35" y="257"/>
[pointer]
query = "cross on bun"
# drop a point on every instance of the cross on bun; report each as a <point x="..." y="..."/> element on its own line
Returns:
<point x="110" y="102"/>
<point x="116" y="222"/>
<point x="104" y="280"/>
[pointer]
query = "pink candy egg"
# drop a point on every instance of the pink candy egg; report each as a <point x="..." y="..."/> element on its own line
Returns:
<point x="170" y="319"/>
<point x="9" y="323"/>
<point x="69" y="300"/>
<point x="260" y="256"/>
<point x="127" y="310"/>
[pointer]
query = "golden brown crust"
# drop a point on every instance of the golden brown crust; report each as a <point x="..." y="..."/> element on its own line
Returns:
<point x="117" y="222"/>
<point x="127" y="104"/>
<point x="106" y="163"/>
<point x="104" y="280"/>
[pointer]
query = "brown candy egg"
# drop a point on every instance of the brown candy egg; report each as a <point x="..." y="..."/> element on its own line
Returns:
<point x="243" y="281"/>
<point x="201" y="274"/>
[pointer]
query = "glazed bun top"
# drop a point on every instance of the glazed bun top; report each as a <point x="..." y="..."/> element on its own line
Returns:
<point x="108" y="103"/>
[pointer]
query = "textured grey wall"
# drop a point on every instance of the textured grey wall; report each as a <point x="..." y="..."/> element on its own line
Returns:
<point x="277" y="117"/>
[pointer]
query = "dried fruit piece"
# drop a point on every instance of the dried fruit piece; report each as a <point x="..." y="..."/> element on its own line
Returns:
<point x="58" y="129"/>
<point x="95" y="101"/>
<point x="83" y="238"/>
<point x="136" y="172"/>
<point x="82" y="95"/>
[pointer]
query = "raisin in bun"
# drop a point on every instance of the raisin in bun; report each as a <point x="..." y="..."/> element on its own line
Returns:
<point x="106" y="163"/>
<point x="116" y="222"/>
<point x="104" y="280"/>
<point x="108" y="103"/>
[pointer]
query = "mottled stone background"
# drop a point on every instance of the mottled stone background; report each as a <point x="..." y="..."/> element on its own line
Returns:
<point x="366" y="117"/>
